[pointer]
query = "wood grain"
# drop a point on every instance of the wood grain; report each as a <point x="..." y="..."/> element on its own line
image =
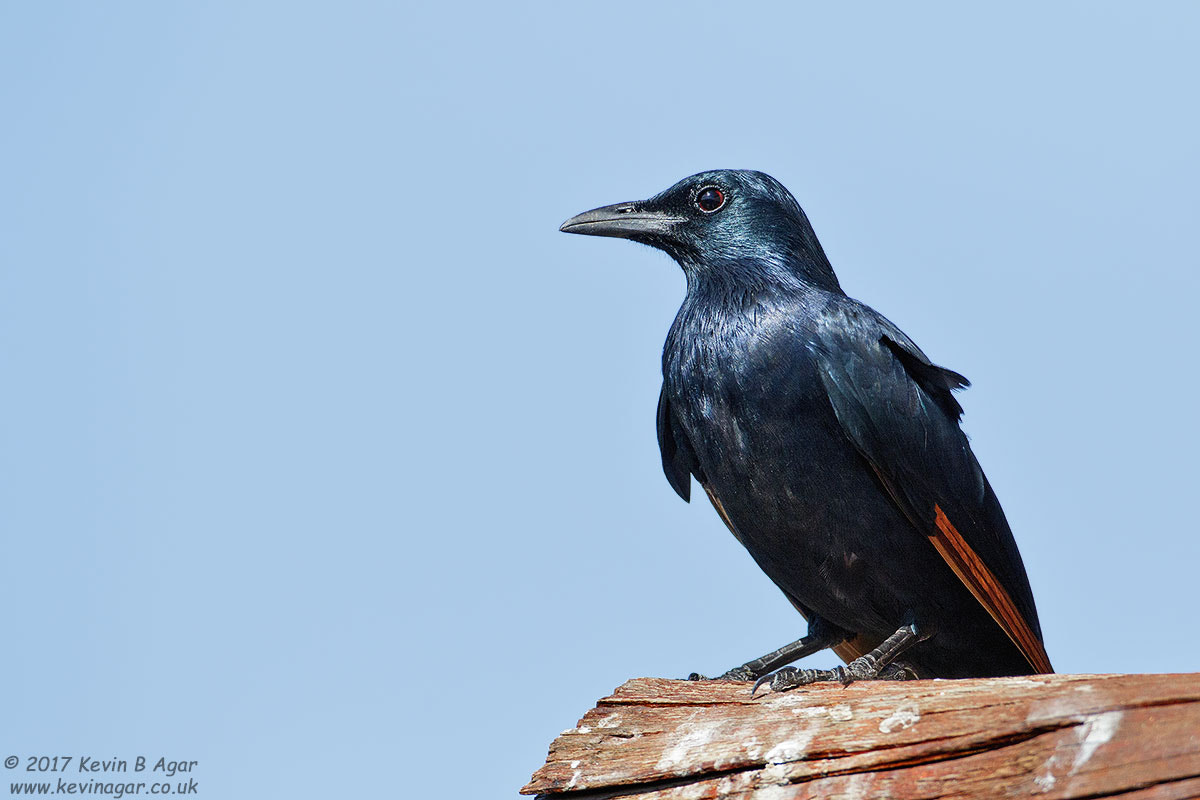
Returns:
<point x="1048" y="736"/>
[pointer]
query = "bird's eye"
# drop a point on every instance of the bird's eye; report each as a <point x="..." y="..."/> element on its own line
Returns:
<point x="710" y="199"/>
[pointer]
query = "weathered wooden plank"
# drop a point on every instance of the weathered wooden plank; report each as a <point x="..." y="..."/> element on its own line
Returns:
<point x="1052" y="736"/>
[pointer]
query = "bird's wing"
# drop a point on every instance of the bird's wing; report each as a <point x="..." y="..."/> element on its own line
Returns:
<point x="678" y="460"/>
<point x="896" y="407"/>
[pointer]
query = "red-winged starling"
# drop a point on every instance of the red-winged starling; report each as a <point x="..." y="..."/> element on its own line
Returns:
<point x="829" y="444"/>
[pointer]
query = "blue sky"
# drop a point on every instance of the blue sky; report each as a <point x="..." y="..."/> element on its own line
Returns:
<point x="327" y="461"/>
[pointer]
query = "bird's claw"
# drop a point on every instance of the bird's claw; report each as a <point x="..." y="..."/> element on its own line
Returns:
<point x="791" y="677"/>
<point x="898" y="671"/>
<point x="735" y="674"/>
<point x="860" y="669"/>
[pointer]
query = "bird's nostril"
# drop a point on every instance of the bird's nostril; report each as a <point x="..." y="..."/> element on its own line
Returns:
<point x="624" y="209"/>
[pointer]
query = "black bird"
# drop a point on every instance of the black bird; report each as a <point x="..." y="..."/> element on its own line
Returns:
<point x="828" y="443"/>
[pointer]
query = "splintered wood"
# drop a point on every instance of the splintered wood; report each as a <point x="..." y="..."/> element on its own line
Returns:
<point x="1047" y="736"/>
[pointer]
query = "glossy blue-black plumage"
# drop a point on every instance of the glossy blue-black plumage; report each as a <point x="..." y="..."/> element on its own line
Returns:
<point x="822" y="430"/>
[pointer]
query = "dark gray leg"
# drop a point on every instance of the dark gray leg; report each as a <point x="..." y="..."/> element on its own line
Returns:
<point x="820" y="636"/>
<point x="872" y="666"/>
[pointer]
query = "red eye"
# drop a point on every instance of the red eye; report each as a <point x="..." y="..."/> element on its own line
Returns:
<point x="710" y="199"/>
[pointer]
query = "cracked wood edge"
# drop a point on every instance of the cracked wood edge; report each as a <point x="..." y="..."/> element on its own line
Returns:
<point x="1052" y="736"/>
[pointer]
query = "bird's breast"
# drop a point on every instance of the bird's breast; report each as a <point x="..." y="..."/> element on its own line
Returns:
<point x="744" y="389"/>
<point x="768" y="446"/>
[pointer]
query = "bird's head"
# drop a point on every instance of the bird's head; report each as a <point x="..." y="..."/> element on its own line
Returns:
<point x="728" y="222"/>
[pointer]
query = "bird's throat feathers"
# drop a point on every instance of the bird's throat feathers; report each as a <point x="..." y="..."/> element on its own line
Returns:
<point x="752" y="272"/>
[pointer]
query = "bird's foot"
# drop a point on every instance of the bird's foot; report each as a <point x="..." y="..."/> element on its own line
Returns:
<point x="793" y="677"/>
<point x="898" y="671"/>
<point x="875" y="665"/>
<point x="860" y="669"/>
<point x="820" y="636"/>
<point x="736" y="674"/>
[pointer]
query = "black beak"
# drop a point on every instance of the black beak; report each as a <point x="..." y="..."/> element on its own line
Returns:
<point x="623" y="220"/>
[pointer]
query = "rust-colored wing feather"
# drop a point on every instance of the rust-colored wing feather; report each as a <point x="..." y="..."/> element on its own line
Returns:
<point x="990" y="593"/>
<point x="974" y="574"/>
